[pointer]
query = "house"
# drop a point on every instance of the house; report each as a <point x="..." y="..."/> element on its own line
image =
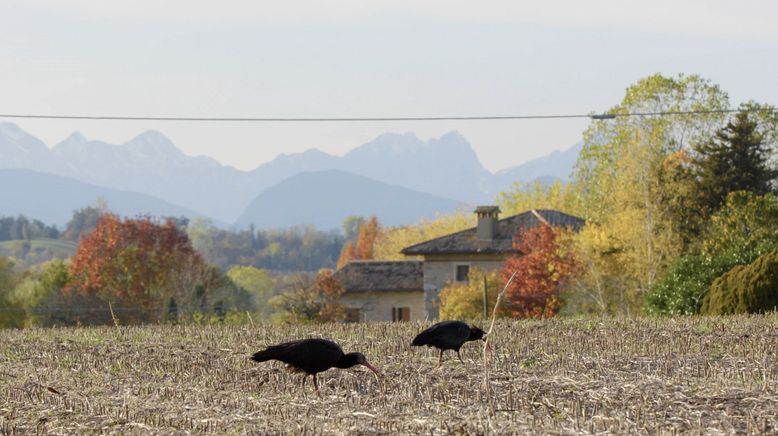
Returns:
<point x="449" y="258"/>
<point x="409" y="290"/>
<point x="382" y="290"/>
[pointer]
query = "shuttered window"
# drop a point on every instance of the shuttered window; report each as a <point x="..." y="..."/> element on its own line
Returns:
<point x="462" y="272"/>
<point x="401" y="314"/>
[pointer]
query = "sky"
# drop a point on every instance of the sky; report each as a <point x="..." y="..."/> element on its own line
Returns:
<point x="354" y="58"/>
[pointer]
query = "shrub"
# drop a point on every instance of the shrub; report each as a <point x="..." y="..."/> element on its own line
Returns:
<point x="748" y="288"/>
<point x="681" y="290"/>
<point x="466" y="300"/>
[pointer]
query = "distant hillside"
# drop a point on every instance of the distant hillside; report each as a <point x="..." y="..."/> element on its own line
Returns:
<point x="324" y="198"/>
<point x="26" y="253"/>
<point x="52" y="199"/>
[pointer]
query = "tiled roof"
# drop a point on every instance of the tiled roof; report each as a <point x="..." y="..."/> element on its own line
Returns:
<point x="466" y="242"/>
<point x="377" y="276"/>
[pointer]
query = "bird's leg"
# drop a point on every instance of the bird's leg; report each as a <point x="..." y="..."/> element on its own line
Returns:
<point x="460" y="357"/>
<point x="440" y="360"/>
<point x="316" y="385"/>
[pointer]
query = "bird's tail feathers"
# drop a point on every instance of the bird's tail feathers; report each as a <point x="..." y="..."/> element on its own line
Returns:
<point x="269" y="353"/>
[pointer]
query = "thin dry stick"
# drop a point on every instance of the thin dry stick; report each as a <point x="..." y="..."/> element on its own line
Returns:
<point x="491" y="327"/>
<point x="113" y="317"/>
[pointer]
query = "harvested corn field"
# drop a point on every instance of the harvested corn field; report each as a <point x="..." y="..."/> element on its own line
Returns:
<point x="558" y="376"/>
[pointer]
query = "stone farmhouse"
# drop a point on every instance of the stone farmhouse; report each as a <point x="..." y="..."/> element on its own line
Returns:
<point x="409" y="290"/>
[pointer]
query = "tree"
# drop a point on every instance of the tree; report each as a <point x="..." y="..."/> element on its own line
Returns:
<point x="681" y="290"/>
<point x="680" y="196"/>
<point x="751" y="288"/>
<point x="348" y="254"/>
<point x="391" y="241"/>
<point x="606" y="142"/>
<point x="620" y="180"/>
<point x="736" y="159"/>
<point x="310" y="300"/>
<point x="521" y="197"/>
<point x="12" y="315"/>
<point x="298" y="248"/>
<point x="22" y="228"/>
<point x="83" y="221"/>
<point x="41" y="296"/>
<point x="600" y="287"/>
<point x="466" y="300"/>
<point x="544" y="265"/>
<point x="351" y="226"/>
<point x="364" y="247"/>
<point x="138" y="262"/>
<point x="256" y="281"/>
<point x="745" y="228"/>
<point x="746" y="223"/>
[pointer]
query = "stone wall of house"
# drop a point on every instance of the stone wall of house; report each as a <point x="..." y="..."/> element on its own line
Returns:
<point x="439" y="271"/>
<point x="377" y="306"/>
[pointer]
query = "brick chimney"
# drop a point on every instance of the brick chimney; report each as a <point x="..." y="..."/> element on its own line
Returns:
<point x="487" y="222"/>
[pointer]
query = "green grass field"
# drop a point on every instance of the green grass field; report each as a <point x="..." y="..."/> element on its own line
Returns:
<point x="56" y="245"/>
<point x="39" y="251"/>
<point x="700" y="375"/>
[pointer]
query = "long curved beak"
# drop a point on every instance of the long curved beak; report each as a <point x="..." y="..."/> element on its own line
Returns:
<point x="373" y="368"/>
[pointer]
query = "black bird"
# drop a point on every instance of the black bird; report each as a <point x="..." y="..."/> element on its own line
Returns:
<point x="312" y="356"/>
<point x="448" y="335"/>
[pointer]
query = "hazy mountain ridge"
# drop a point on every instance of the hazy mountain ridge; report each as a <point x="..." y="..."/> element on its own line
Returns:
<point x="19" y="149"/>
<point x="150" y="163"/>
<point x="52" y="198"/>
<point x="324" y="198"/>
<point x="445" y="167"/>
<point x="558" y="164"/>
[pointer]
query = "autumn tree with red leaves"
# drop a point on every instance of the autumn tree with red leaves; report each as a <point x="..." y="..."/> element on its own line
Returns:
<point x="544" y="264"/>
<point x="364" y="247"/>
<point x="310" y="300"/>
<point x="137" y="262"/>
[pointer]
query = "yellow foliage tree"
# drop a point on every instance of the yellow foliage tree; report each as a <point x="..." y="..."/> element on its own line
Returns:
<point x="632" y="235"/>
<point x="466" y="300"/>
<point x="521" y="197"/>
<point x="392" y="240"/>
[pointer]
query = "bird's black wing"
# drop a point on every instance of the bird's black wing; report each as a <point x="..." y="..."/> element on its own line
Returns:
<point x="443" y="334"/>
<point x="310" y="355"/>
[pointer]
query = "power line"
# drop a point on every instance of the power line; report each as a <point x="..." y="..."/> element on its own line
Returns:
<point x="603" y="116"/>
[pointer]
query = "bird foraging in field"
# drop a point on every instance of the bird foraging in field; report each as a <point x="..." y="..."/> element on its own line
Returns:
<point x="312" y="356"/>
<point x="449" y="335"/>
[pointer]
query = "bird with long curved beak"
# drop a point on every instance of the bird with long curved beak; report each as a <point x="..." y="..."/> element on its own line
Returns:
<point x="313" y="356"/>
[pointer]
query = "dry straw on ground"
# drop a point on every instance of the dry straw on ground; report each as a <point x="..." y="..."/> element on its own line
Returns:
<point x="701" y="375"/>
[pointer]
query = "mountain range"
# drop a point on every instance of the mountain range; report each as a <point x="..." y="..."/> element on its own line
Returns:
<point x="52" y="199"/>
<point x="444" y="172"/>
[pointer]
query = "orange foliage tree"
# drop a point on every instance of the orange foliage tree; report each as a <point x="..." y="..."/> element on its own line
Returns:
<point x="310" y="300"/>
<point x="364" y="247"/>
<point x="137" y="261"/>
<point x="544" y="263"/>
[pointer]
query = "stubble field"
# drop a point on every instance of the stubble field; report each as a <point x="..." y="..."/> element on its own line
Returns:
<point x="699" y="375"/>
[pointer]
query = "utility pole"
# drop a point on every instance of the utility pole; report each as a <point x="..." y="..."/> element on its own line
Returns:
<point x="486" y="300"/>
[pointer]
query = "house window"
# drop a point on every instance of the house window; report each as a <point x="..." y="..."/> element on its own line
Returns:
<point x="401" y="314"/>
<point x="353" y="314"/>
<point x="462" y="272"/>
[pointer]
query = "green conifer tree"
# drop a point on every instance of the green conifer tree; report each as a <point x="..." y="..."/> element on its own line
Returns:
<point x="734" y="160"/>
